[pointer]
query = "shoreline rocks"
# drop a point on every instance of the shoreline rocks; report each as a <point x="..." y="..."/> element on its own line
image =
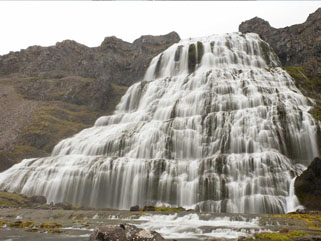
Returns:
<point x="123" y="232"/>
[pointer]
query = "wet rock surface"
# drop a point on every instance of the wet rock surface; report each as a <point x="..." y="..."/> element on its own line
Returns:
<point x="124" y="232"/>
<point x="308" y="185"/>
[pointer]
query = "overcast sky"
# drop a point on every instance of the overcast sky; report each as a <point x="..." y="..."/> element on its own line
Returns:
<point x="44" y="23"/>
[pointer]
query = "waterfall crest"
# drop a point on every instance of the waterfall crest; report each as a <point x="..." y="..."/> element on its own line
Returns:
<point x="215" y="125"/>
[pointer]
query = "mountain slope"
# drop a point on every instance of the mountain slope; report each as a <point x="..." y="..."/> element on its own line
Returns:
<point x="50" y="93"/>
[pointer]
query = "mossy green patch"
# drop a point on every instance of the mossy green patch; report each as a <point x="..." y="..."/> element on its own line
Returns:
<point x="311" y="221"/>
<point x="50" y="225"/>
<point x="310" y="85"/>
<point x="304" y="80"/>
<point x="169" y="209"/>
<point x="3" y="222"/>
<point x="20" y="224"/>
<point x="55" y="231"/>
<point x="297" y="73"/>
<point x="265" y="51"/>
<point x="316" y="112"/>
<point x="8" y="199"/>
<point x="280" y="236"/>
<point x="52" y="123"/>
<point x="80" y="221"/>
<point x="33" y="229"/>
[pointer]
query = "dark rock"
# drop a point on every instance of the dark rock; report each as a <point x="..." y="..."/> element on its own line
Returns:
<point x="134" y="208"/>
<point x="123" y="232"/>
<point x="308" y="185"/>
<point x="298" y="44"/>
<point x="149" y="208"/>
<point x="38" y="199"/>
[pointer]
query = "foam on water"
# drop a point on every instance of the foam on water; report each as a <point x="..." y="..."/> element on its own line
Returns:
<point x="191" y="226"/>
<point x="216" y="125"/>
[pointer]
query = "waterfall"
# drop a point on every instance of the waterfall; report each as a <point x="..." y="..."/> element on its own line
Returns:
<point x="215" y="125"/>
<point x="293" y="203"/>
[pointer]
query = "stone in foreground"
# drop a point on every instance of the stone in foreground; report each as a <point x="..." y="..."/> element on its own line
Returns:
<point x="123" y="232"/>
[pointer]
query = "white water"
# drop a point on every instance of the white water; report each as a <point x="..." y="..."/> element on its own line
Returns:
<point x="191" y="226"/>
<point x="293" y="203"/>
<point x="217" y="127"/>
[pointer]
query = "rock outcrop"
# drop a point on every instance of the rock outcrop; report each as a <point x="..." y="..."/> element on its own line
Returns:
<point x="50" y="93"/>
<point x="298" y="44"/>
<point x="308" y="185"/>
<point x="114" y="61"/>
<point x="124" y="232"/>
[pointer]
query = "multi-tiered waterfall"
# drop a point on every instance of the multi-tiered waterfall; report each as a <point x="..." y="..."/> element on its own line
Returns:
<point x="215" y="125"/>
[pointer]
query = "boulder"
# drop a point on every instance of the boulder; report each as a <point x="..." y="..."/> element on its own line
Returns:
<point x="308" y="185"/>
<point x="38" y="199"/>
<point x="123" y="232"/>
<point x="134" y="208"/>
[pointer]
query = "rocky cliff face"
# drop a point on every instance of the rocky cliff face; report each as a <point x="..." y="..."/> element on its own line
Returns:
<point x="114" y="61"/>
<point x="49" y="93"/>
<point x="298" y="44"/>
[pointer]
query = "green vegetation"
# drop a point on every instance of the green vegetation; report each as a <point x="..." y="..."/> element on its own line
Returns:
<point x="310" y="85"/>
<point x="8" y="199"/>
<point x="297" y="73"/>
<point x="30" y="226"/>
<point x="20" y="224"/>
<point x="316" y="112"/>
<point x="312" y="221"/>
<point x="49" y="125"/>
<point x="117" y="92"/>
<point x="169" y="209"/>
<point x="279" y="236"/>
<point x="50" y="225"/>
<point x="265" y="51"/>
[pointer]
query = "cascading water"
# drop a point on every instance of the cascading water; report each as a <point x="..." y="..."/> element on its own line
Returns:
<point x="214" y="125"/>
